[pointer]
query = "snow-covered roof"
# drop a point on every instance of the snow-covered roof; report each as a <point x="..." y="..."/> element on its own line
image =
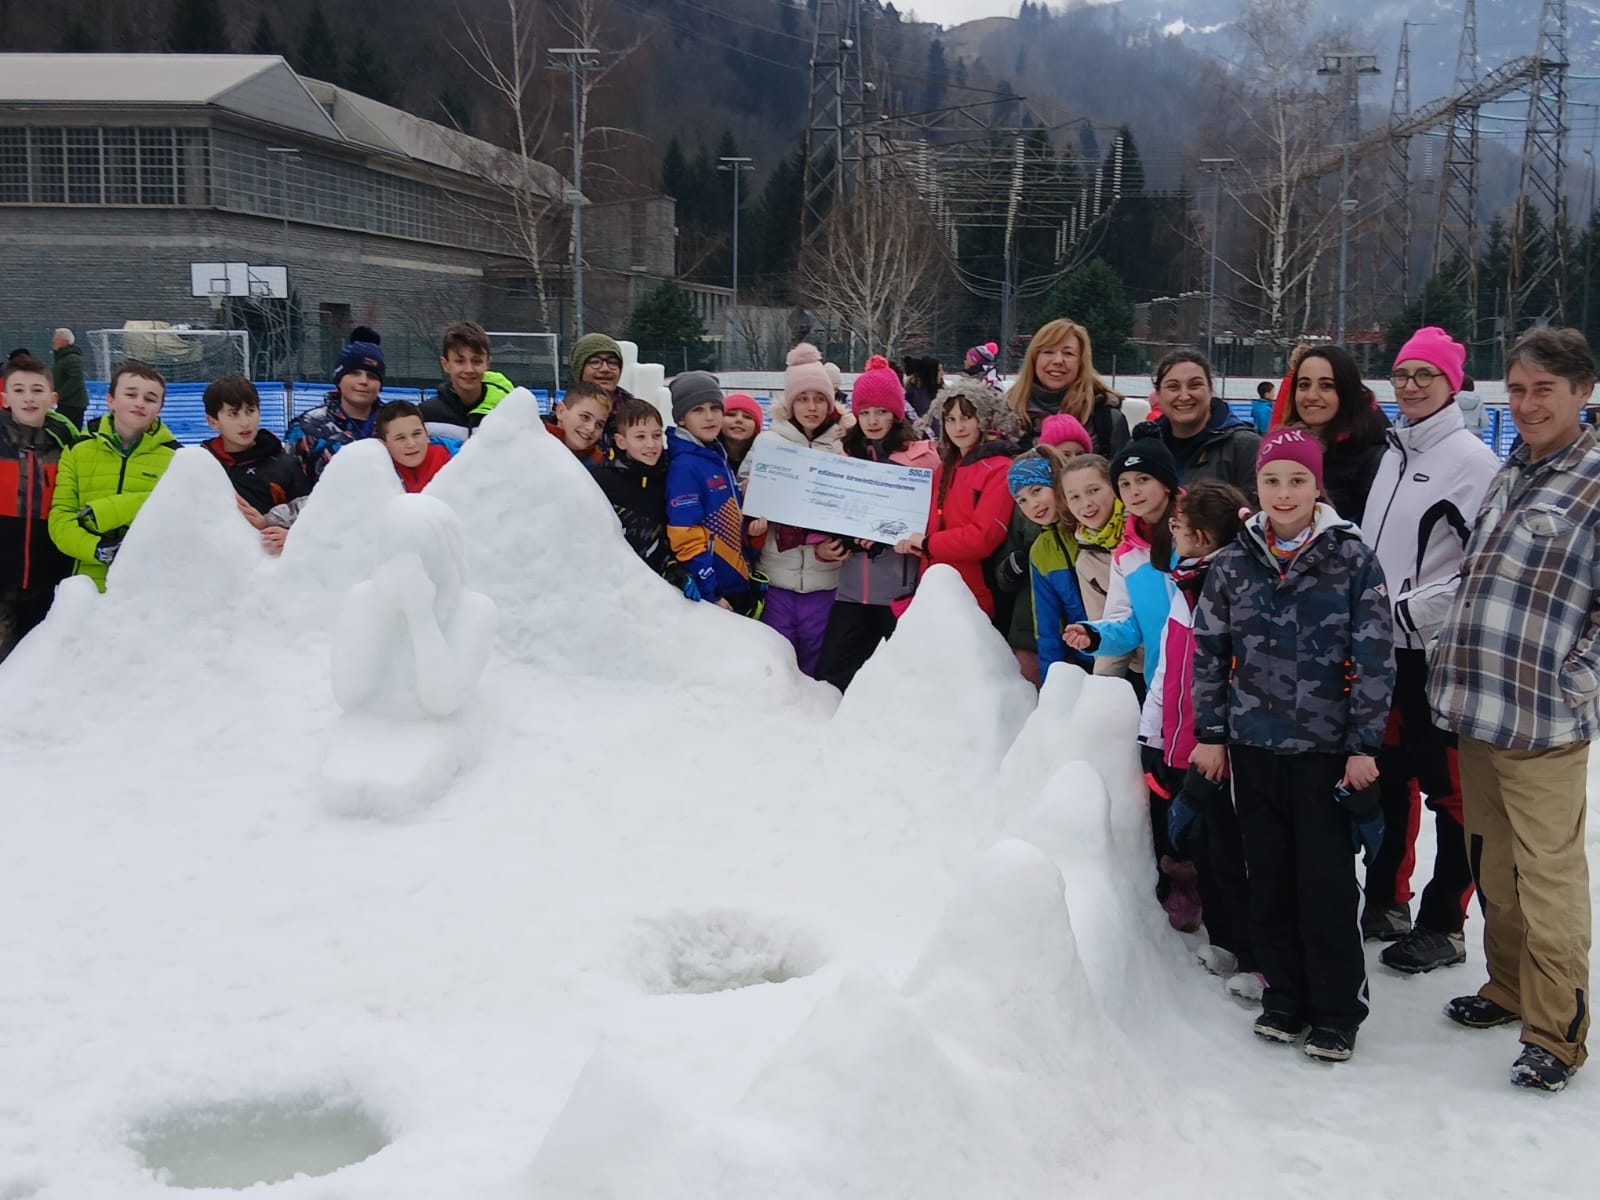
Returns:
<point x="263" y="88"/>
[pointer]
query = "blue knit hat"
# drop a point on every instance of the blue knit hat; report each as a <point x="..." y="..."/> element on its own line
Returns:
<point x="363" y="352"/>
<point x="1027" y="471"/>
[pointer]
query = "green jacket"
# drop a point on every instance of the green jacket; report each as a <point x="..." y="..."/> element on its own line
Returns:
<point x="1013" y="574"/>
<point x="100" y="488"/>
<point x="72" y="396"/>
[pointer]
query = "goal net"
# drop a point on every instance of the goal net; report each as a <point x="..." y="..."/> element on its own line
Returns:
<point x="530" y="360"/>
<point x="181" y="355"/>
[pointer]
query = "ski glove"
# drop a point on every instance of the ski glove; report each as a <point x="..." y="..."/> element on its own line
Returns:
<point x="1186" y="818"/>
<point x="105" y="550"/>
<point x="1155" y="770"/>
<point x="1366" y="820"/>
<point x="690" y="588"/>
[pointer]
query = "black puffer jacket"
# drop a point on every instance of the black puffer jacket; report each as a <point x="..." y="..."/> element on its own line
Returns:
<point x="638" y="496"/>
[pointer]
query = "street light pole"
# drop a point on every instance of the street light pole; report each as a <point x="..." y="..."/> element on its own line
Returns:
<point x="285" y="155"/>
<point x="1588" y="241"/>
<point x="575" y="59"/>
<point x="736" y="164"/>
<point x="1215" y="167"/>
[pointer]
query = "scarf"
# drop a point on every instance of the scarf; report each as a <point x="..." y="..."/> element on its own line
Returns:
<point x="1043" y="402"/>
<point x="1283" y="550"/>
<point x="1189" y="576"/>
<point x="1109" y="536"/>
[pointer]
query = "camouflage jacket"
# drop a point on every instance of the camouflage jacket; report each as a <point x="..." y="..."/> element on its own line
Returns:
<point x="1301" y="661"/>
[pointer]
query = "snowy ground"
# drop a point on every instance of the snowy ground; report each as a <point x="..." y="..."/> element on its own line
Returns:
<point x="524" y="990"/>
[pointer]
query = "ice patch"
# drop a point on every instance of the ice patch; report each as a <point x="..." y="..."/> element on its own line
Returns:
<point x="241" y="1143"/>
<point x="719" y="951"/>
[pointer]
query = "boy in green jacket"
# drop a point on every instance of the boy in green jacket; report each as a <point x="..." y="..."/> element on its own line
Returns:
<point x="104" y="480"/>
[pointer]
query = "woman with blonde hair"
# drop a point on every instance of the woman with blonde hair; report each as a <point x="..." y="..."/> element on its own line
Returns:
<point x="1058" y="376"/>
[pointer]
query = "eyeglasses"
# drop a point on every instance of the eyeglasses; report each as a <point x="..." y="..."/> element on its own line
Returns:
<point x="1421" y="377"/>
<point x="604" y="360"/>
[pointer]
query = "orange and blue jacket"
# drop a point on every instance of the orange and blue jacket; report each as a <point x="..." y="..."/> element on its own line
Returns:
<point x="705" y="525"/>
<point x="29" y="459"/>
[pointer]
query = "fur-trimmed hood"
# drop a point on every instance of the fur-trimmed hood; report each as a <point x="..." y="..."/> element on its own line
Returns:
<point x="994" y="414"/>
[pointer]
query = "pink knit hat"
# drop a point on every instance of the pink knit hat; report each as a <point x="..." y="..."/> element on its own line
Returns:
<point x="805" y="373"/>
<point x="1437" y="348"/>
<point x="879" y="387"/>
<point x="1060" y="428"/>
<point x="1292" y="445"/>
<point x="739" y="402"/>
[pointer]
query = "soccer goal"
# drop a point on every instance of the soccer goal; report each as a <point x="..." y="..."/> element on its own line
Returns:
<point x="182" y="355"/>
<point x="530" y="360"/>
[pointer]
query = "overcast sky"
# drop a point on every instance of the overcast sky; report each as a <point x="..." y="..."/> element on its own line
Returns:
<point x="953" y="12"/>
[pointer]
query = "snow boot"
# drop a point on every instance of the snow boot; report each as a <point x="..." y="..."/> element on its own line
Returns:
<point x="1327" y="1044"/>
<point x="1424" y="950"/>
<point x="1536" y="1068"/>
<point x="1477" y="1013"/>
<point x="1386" y="923"/>
<point x="1217" y="961"/>
<point x="1279" y="1027"/>
<point x="1182" y="898"/>
<point x="1248" y="986"/>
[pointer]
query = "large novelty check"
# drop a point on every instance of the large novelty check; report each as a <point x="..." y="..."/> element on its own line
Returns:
<point x="829" y="493"/>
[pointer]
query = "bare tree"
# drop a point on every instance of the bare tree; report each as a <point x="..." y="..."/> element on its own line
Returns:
<point x="876" y="264"/>
<point x="511" y="68"/>
<point x="1283" y="123"/>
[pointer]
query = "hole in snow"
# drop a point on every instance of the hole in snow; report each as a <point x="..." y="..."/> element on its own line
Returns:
<point x="718" y="951"/>
<point x="246" y="1142"/>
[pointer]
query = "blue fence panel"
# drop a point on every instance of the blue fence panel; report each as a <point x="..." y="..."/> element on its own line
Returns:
<point x="1498" y="434"/>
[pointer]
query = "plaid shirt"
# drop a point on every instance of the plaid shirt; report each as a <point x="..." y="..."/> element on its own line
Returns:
<point x="1517" y="661"/>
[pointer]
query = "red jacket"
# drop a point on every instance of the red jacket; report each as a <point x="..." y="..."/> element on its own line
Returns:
<point x="971" y="524"/>
<point x="1281" y="404"/>
<point x="594" y="455"/>
<point x="418" y="477"/>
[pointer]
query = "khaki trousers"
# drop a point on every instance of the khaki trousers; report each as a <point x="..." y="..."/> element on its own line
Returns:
<point x="1524" y="815"/>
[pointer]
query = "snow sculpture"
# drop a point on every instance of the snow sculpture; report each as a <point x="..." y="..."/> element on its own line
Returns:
<point x="410" y="646"/>
<point x="645" y="380"/>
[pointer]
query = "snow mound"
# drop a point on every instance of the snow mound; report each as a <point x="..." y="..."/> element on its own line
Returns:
<point x="535" y="514"/>
<point x="191" y="515"/>
<point x="984" y="1075"/>
<point x="334" y="542"/>
<point x="946" y="682"/>
<point x="1036" y="752"/>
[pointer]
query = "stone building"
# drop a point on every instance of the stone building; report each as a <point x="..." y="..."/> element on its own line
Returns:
<point x="118" y="171"/>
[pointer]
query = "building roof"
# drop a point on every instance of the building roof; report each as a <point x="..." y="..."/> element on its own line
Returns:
<point x="263" y="88"/>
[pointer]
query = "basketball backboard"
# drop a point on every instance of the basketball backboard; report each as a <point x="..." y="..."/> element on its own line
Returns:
<point x="219" y="279"/>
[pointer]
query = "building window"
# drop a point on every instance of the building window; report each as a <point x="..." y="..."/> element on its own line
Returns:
<point x="13" y="166"/>
<point x="83" y="166"/>
<point x="121" y="159"/>
<point x="49" y="166"/>
<point x="156" y="175"/>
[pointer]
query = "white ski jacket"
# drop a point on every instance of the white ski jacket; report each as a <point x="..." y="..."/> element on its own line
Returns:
<point x="1424" y="499"/>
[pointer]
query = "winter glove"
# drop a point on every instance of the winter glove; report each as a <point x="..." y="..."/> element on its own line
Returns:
<point x="1155" y="770"/>
<point x="106" y="548"/>
<point x="1366" y="820"/>
<point x="1186" y="818"/>
<point x="690" y="588"/>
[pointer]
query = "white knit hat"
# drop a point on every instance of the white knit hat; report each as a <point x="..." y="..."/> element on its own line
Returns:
<point x="805" y="373"/>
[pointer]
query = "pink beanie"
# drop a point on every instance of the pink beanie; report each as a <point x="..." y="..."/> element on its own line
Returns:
<point x="739" y="402"/>
<point x="805" y="373"/>
<point x="1434" y="346"/>
<point x="1292" y="445"/>
<point x="1059" y="428"/>
<point x="879" y="387"/>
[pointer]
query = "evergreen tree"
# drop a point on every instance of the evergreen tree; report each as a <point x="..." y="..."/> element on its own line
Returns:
<point x="78" y="38"/>
<point x="366" y="72"/>
<point x="772" y="245"/>
<point x="938" y="76"/>
<point x="1094" y="297"/>
<point x="318" y="56"/>
<point x="667" y="330"/>
<point x="675" y="174"/>
<point x="265" y="39"/>
<point x="198" y="28"/>
<point x="1441" y="303"/>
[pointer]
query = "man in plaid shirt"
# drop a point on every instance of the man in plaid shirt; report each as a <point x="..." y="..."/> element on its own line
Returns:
<point x="1516" y="674"/>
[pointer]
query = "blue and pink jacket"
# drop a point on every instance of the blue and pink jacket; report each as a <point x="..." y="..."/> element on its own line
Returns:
<point x="1137" y="601"/>
<point x="1167" y="720"/>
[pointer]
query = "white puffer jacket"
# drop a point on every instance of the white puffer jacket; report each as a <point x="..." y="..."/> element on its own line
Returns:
<point x="798" y="569"/>
<point x="1424" y="499"/>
